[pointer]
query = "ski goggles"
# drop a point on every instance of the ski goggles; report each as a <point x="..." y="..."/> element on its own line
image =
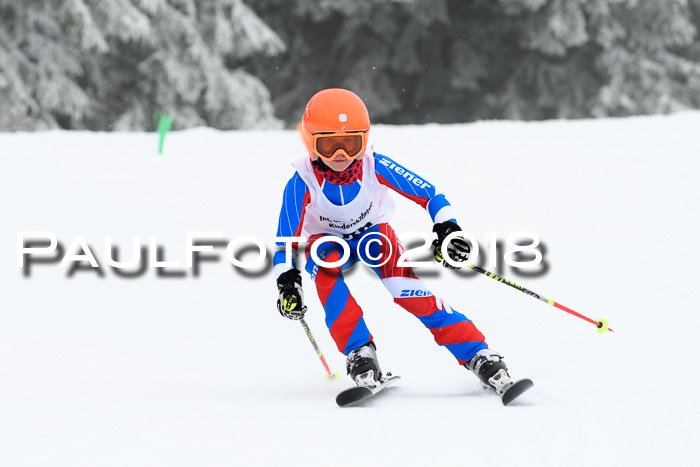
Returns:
<point x="327" y="146"/>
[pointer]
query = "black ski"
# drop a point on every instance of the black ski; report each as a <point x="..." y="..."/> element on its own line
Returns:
<point x="516" y="390"/>
<point x="357" y="394"/>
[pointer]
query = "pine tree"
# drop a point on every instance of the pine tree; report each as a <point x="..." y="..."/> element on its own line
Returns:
<point x="457" y="60"/>
<point x="112" y="64"/>
<point x="372" y="47"/>
<point x="643" y="60"/>
<point x="599" y="58"/>
<point x="550" y="74"/>
<point x="40" y="67"/>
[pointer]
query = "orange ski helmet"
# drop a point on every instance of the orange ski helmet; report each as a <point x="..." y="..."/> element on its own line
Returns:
<point x="335" y="122"/>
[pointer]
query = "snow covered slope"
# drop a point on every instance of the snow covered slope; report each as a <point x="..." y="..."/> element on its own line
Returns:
<point x="202" y="371"/>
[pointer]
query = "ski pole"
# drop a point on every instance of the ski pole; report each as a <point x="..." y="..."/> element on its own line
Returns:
<point x="330" y="375"/>
<point x="601" y="324"/>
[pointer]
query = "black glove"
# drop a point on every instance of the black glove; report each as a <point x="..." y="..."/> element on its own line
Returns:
<point x="457" y="248"/>
<point x="290" y="302"/>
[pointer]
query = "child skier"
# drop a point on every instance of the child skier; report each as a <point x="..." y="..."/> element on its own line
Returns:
<point x="341" y="188"/>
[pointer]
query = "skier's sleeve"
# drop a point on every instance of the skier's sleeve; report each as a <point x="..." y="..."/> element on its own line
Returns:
<point x="294" y="200"/>
<point x="410" y="185"/>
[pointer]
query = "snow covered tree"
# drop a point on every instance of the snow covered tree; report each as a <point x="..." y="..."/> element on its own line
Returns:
<point x="643" y="58"/>
<point x="372" y="47"/>
<point x="113" y="64"/>
<point x="600" y="57"/>
<point x="423" y="60"/>
<point x="39" y="66"/>
<point x="460" y="60"/>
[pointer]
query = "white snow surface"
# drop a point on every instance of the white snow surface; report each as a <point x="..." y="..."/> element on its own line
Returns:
<point x="106" y="371"/>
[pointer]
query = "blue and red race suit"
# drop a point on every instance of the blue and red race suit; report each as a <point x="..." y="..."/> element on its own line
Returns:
<point x="359" y="212"/>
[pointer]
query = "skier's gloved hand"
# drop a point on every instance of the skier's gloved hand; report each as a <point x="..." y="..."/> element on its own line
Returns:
<point x="290" y="302"/>
<point x="458" y="248"/>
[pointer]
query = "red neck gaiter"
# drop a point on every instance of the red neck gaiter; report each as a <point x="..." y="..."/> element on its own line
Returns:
<point x="346" y="177"/>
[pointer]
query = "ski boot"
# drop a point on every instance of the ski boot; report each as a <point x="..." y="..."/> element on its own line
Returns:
<point x="363" y="367"/>
<point x="490" y="368"/>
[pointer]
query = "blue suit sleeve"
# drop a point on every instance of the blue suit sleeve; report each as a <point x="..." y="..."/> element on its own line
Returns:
<point x="291" y="218"/>
<point x="414" y="187"/>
